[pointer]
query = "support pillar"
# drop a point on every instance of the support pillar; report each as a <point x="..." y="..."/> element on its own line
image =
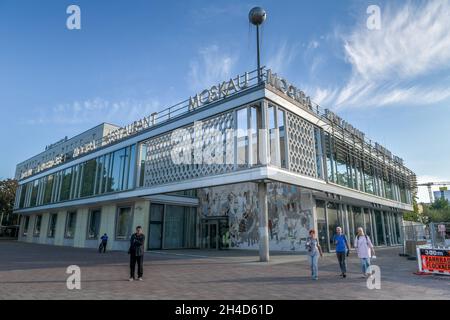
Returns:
<point x="263" y="223"/>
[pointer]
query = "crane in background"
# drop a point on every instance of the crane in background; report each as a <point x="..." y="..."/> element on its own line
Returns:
<point x="430" y="184"/>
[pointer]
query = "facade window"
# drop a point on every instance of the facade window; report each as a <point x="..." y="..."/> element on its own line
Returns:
<point x="34" y="193"/>
<point x="255" y="121"/>
<point x="242" y="138"/>
<point x="37" y="226"/>
<point x="379" y="227"/>
<point x="48" y="188"/>
<point x="52" y="225"/>
<point x="23" y="194"/>
<point x="88" y="178"/>
<point x="322" y="233"/>
<point x="368" y="225"/>
<point x="179" y="227"/>
<point x="124" y="223"/>
<point x="333" y="222"/>
<point x="94" y="224"/>
<point x="319" y="152"/>
<point x="142" y="159"/>
<point x="65" y="185"/>
<point x="281" y="123"/>
<point x="26" y="225"/>
<point x="71" y="221"/>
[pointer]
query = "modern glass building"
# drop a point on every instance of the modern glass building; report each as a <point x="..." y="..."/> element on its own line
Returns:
<point x="245" y="164"/>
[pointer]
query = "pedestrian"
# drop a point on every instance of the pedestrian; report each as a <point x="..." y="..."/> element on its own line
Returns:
<point x="103" y="243"/>
<point x="365" y="250"/>
<point x="314" y="250"/>
<point x="342" y="250"/>
<point x="136" y="253"/>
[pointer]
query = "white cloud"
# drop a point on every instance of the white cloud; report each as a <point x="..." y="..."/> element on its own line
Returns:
<point x="94" y="111"/>
<point x="397" y="63"/>
<point x="281" y="59"/>
<point x="211" y="67"/>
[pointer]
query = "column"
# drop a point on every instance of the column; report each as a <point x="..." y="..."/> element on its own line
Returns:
<point x="263" y="223"/>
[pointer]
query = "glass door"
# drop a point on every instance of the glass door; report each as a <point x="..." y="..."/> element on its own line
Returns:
<point x="210" y="234"/>
<point x="156" y="229"/>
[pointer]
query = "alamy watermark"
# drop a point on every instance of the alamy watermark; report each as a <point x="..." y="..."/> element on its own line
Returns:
<point x="74" y="279"/>
<point x="73" y="22"/>
<point x="374" y="20"/>
<point x="374" y="279"/>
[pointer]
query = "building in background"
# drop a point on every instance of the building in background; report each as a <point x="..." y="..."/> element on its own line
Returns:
<point x="238" y="163"/>
<point x="443" y="193"/>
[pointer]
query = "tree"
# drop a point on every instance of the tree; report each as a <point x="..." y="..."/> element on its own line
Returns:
<point x="8" y="189"/>
<point x="414" y="215"/>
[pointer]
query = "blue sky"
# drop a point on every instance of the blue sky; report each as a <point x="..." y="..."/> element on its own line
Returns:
<point x="131" y="58"/>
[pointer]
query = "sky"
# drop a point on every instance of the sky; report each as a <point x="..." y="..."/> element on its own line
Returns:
<point x="131" y="58"/>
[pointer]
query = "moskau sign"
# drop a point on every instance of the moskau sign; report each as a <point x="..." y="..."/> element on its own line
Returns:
<point x="288" y="89"/>
<point x="219" y="91"/>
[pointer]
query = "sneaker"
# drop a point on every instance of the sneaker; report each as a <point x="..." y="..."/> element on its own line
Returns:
<point x="344" y="275"/>
<point x="315" y="278"/>
<point x="131" y="279"/>
<point x="140" y="279"/>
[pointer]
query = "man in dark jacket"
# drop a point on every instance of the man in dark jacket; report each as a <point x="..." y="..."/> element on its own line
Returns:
<point x="136" y="252"/>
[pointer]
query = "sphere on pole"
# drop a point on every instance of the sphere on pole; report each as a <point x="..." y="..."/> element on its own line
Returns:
<point x="257" y="15"/>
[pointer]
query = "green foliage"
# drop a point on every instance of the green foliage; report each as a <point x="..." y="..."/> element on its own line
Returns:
<point x="414" y="215"/>
<point x="8" y="189"/>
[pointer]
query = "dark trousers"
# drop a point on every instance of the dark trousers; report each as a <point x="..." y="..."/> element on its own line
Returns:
<point x="341" y="259"/>
<point x="102" y="247"/>
<point x="140" y="262"/>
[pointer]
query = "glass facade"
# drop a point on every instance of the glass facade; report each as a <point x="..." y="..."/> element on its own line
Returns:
<point x="37" y="226"/>
<point x="111" y="172"/>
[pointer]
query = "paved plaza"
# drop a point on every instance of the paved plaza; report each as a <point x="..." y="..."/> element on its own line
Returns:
<point x="31" y="271"/>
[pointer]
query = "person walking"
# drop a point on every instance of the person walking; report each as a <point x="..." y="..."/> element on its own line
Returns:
<point x="342" y="250"/>
<point x="136" y="253"/>
<point x="314" y="250"/>
<point x="103" y="244"/>
<point x="365" y="250"/>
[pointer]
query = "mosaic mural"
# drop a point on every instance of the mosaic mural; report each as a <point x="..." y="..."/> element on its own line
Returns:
<point x="290" y="214"/>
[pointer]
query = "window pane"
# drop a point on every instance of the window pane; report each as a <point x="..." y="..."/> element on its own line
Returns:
<point x="70" y="224"/>
<point x="143" y="156"/>
<point x="282" y="133"/>
<point x="129" y="183"/>
<point x="321" y="225"/>
<point x="242" y="137"/>
<point x="89" y="169"/>
<point x="255" y="125"/>
<point x="52" y="225"/>
<point x="124" y="221"/>
<point x="37" y="226"/>
<point x="333" y="222"/>
<point x="274" y="149"/>
<point x="65" y="185"/>
<point x="94" y="224"/>
<point x="22" y="195"/>
<point x="116" y="175"/>
<point x="34" y="192"/>
<point x="26" y="225"/>
<point x="48" y="189"/>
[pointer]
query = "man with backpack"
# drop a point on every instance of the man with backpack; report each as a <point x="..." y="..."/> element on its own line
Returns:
<point x="365" y="250"/>
<point x="103" y="244"/>
<point x="342" y="250"/>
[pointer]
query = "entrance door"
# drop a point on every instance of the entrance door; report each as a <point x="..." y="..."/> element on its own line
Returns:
<point x="156" y="226"/>
<point x="215" y="233"/>
<point x="210" y="239"/>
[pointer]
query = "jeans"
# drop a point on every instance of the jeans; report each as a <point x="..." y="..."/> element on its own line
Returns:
<point x="313" y="262"/>
<point x="342" y="263"/>
<point x="365" y="263"/>
<point x="140" y="262"/>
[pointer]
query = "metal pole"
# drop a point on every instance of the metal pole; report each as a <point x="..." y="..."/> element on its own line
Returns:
<point x="257" y="54"/>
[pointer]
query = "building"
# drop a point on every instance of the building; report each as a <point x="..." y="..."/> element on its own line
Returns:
<point x="442" y="194"/>
<point x="245" y="164"/>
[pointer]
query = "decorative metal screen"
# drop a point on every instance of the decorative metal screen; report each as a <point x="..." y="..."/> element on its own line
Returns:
<point x="302" y="154"/>
<point x="161" y="169"/>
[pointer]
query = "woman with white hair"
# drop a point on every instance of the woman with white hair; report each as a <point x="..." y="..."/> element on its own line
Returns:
<point x="365" y="250"/>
